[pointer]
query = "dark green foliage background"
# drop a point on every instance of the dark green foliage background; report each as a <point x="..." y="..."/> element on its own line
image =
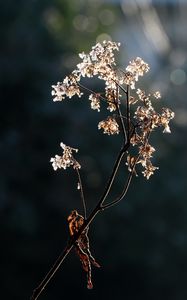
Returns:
<point x="142" y="243"/>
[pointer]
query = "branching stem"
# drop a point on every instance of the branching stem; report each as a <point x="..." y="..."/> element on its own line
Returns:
<point x="128" y="111"/>
<point x="82" y="194"/>
<point x="100" y="205"/>
<point x="100" y="61"/>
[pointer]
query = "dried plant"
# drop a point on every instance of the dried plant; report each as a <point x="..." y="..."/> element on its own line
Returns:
<point x="131" y="115"/>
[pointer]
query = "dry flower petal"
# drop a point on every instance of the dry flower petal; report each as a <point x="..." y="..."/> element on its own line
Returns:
<point x="66" y="160"/>
<point x="95" y="101"/>
<point x="109" y="126"/>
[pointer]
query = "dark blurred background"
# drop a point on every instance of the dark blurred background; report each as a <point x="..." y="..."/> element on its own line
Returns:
<point x="141" y="243"/>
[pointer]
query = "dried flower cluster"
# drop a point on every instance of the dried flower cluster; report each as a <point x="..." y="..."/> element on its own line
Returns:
<point x="135" y="69"/>
<point x="66" y="160"/>
<point x="109" y="126"/>
<point x="100" y="62"/>
<point x="95" y="101"/>
<point x="148" y="119"/>
<point x="134" y="126"/>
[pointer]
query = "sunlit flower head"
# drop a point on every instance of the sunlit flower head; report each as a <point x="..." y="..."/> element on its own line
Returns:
<point x="95" y="101"/>
<point x="66" y="160"/>
<point x="109" y="126"/>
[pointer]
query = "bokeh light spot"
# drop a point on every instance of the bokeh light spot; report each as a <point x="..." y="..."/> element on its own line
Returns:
<point x="129" y="8"/>
<point x="92" y="24"/>
<point x="84" y="23"/>
<point x="106" y="17"/>
<point x="181" y="117"/>
<point x="53" y="20"/>
<point x="80" y="22"/>
<point x="102" y="37"/>
<point x="178" y="76"/>
<point x="178" y="57"/>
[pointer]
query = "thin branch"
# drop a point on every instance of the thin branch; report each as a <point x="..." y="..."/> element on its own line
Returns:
<point x="128" y="111"/>
<point x="125" y="189"/>
<point x="124" y="192"/>
<point x="82" y="194"/>
<point x="127" y="184"/>
<point x="121" y="119"/>
<point x="100" y="205"/>
<point x="98" y="208"/>
<point x="119" y="85"/>
<point x="128" y="129"/>
<point x="132" y="125"/>
<point x="112" y="177"/>
<point x="37" y="292"/>
<point x="90" y="91"/>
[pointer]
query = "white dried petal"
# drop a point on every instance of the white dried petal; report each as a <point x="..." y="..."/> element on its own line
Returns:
<point x="66" y="160"/>
<point x="109" y="126"/>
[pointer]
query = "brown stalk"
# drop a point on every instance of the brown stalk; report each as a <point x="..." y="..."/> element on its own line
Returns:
<point x="99" y="206"/>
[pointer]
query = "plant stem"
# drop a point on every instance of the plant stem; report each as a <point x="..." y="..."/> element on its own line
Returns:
<point x="52" y="271"/>
<point x="98" y="208"/>
<point x="128" y="112"/>
<point x="125" y="189"/>
<point x="82" y="194"/>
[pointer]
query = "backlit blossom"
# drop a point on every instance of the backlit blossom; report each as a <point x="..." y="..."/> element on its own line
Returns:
<point x="135" y="139"/>
<point x="166" y="116"/>
<point x="135" y="119"/>
<point x="69" y="87"/>
<point x="131" y="162"/>
<point x="146" y="150"/>
<point x="66" y="160"/>
<point x="111" y="96"/>
<point x="136" y="68"/>
<point x="109" y="126"/>
<point x="157" y="95"/>
<point x="100" y="62"/>
<point x="144" y="98"/>
<point x="129" y="79"/>
<point x="149" y="169"/>
<point x="95" y="101"/>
